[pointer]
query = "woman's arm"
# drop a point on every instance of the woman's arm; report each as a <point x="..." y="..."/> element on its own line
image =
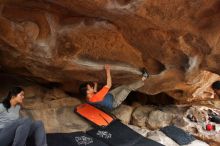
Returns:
<point x="108" y="75"/>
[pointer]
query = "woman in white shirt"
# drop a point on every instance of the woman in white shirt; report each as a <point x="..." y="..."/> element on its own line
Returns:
<point x="14" y="131"/>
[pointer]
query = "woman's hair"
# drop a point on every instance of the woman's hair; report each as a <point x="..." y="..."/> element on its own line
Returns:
<point x="216" y="85"/>
<point x="83" y="88"/>
<point x="12" y="92"/>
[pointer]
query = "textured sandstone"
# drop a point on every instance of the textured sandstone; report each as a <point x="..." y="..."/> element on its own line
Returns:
<point x="123" y="112"/>
<point x="58" y="116"/>
<point x="58" y="120"/>
<point x="63" y="43"/>
<point x="158" y="119"/>
<point x="140" y="115"/>
<point x="67" y="42"/>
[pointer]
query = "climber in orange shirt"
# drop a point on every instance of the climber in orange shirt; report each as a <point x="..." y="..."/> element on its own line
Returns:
<point x="109" y="99"/>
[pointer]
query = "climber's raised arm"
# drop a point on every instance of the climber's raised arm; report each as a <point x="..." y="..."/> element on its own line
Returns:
<point x="108" y="76"/>
<point x="95" y="86"/>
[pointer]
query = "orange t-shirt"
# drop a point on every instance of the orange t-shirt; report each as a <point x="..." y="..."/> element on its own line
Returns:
<point x="99" y="96"/>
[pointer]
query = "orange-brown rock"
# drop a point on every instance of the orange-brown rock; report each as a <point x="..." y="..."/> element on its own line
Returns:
<point x="68" y="41"/>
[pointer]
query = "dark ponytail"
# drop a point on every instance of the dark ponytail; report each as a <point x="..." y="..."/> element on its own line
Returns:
<point x="12" y="92"/>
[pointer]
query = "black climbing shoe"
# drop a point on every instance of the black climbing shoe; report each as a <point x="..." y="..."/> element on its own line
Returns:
<point x="145" y="73"/>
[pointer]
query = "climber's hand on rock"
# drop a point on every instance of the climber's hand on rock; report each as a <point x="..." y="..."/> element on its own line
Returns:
<point x="107" y="67"/>
<point x="95" y="86"/>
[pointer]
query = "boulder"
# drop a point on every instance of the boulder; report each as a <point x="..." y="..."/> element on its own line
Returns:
<point x="140" y="115"/>
<point x="123" y="112"/>
<point x="158" y="119"/>
<point x="66" y="42"/>
<point x="57" y="120"/>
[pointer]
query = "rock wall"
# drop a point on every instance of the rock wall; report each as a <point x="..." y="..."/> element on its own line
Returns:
<point x="55" y="108"/>
<point x="68" y="42"/>
<point x="52" y="106"/>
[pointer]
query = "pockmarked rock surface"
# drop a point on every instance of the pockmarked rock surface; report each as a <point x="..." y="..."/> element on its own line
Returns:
<point x="158" y="119"/>
<point x="58" y="120"/>
<point x="198" y="129"/>
<point x="53" y="107"/>
<point x="67" y="42"/>
<point x="123" y="113"/>
<point x="141" y="114"/>
<point x="63" y="43"/>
